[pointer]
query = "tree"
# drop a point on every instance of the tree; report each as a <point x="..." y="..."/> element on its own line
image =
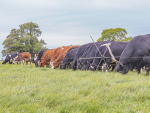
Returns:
<point x="24" y="39"/>
<point x="30" y="31"/>
<point x="12" y="43"/>
<point x="116" y="34"/>
<point x="39" y="46"/>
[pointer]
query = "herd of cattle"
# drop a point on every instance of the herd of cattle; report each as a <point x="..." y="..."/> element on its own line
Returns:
<point x="102" y="55"/>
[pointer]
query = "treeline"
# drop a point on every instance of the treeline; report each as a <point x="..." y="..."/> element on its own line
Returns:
<point x="24" y="39"/>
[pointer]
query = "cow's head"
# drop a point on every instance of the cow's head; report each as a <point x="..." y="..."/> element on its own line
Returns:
<point x="41" y="63"/>
<point x="92" y="67"/>
<point x="36" y="63"/>
<point x="79" y="64"/>
<point x="4" y="62"/>
<point x="121" y="68"/>
<point x="8" y="57"/>
<point x="54" y="64"/>
<point x="85" y="66"/>
<point x="61" y="65"/>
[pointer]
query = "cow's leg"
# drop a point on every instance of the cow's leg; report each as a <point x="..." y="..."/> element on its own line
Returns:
<point x="131" y="69"/>
<point x="13" y="62"/>
<point x="113" y="67"/>
<point x="30" y="60"/>
<point x="147" y="70"/>
<point x="26" y="62"/>
<point x="103" y="67"/>
<point x="141" y="70"/>
<point x="22" y="62"/>
<point x="107" y="64"/>
<point x="107" y="67"/>
<point x="147" y="73"/>
<point x="147" y="65"/>
<point x="19" y="63"/>
<point x="138" y="70"/>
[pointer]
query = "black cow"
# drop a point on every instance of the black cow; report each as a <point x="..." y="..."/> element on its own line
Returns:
<point x="110" y="54"/>
<point x="79" y="54"/>
<point x="10" y="57"/>
<point x="39" y="57"/>
<point x="68" y="58"/>
<point x="136" y="53"/>
<point x="88" y="55"/>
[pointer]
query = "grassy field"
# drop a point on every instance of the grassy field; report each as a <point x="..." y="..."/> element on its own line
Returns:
<point x="42" y="90"/>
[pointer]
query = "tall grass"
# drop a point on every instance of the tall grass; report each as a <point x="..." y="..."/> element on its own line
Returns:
<point x="30" y="89"/>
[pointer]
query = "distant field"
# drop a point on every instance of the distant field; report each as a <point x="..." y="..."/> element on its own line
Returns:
<point x="30" y="89"/>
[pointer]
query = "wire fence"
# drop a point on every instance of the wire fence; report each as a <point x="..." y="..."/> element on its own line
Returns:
<point x="101" y="57"/>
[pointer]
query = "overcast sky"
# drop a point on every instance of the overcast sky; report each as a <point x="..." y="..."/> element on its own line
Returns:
<point x="65" y="22"/>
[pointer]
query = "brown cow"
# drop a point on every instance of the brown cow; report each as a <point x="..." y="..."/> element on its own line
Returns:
<point x="46" y="58"/>
<point x="55" y="63"/>
<point x="25" y="56"/>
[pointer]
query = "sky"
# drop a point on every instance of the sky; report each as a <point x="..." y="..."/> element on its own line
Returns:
<point x="72" y="22"/>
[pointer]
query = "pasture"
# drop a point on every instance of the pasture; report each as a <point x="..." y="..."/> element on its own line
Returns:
<point x="30" y="89"/>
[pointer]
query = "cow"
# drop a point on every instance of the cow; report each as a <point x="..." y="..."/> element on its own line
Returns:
<point x="10" y="57"/>
<point x="39" y="57"/>
<point x="88" y="56"/>
<point x="46" y="58"/>
<point x="79" y="53"/>
<point x="68" y="58"/>
<point x="55" y="63"/>
<point x="136" y="53"/>
<point x="108" y="55"/>
<point x="25" y="56"/>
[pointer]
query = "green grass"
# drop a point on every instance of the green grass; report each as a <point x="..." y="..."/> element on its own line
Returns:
<point x="42" y="90"/>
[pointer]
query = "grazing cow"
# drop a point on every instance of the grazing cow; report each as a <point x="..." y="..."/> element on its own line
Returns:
<point x="136" y="53"/>
<point x="10" y="57"/>
<point x="25" y="56"/>
<point x="54" y="64"/>
<point x="88" y="55"/>
<point x="110" y="53"/>
<point x="39" y="57"/>
<point x="68" y="58"/>
<point x="46" y="58"/>
<point x="79" y="53"/>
